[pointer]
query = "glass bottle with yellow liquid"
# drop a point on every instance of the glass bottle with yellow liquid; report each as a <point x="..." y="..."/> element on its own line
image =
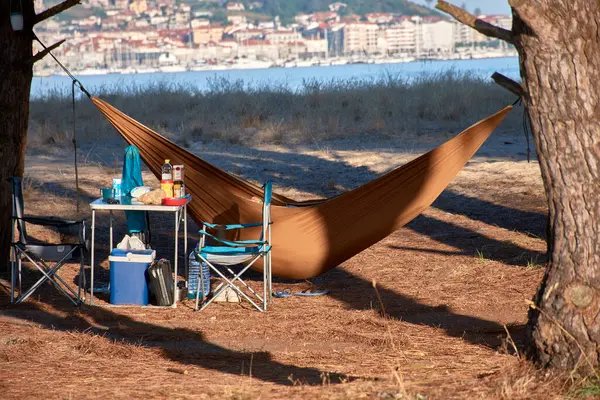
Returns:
<point x="166" y="181"/>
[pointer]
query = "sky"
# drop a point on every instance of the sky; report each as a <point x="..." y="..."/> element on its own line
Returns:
<point x="486" y="6"/>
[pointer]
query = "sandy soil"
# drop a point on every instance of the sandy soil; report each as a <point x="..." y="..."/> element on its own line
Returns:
<point x="452" y="284"/>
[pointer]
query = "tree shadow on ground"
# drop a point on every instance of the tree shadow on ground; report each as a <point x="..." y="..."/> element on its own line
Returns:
<point x="358" y="294"/>
<point x="179" y="345"/>
<point x="473" y="243"/>
<point x="531" y="223"/>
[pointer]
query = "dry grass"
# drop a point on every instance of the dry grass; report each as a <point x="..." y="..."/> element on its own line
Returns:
<point x="237" y="113"/>
<point x="433" y="328"/>
<point x="442" y="336"/>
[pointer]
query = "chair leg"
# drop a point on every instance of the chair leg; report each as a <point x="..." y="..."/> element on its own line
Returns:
<point x="270" y="278"/>
<point x="20" y="277"/>
<point x="13" y="265"/>
<point x="265" y="281"/>
<point x="81" y="274"/>
<point x="231" y="283"/>
<point x="49" y="274"/>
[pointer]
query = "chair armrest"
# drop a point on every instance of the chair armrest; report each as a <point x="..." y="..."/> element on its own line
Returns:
<point x="230" y="227"/>
<point x="49" y="221"/>
<point x="236" y="243"/>
<point x="59" y="223"/>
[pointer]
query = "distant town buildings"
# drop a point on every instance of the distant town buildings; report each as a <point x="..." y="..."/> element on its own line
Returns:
<point x="149" y="34"/>
<point x="231" y="6"/>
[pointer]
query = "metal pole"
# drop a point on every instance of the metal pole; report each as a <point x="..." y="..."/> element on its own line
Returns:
<point x="75" y="146"/>
<point x="265" y="284"/>
<point x="185" y="243"/>
<point x="13" y="251"/>
<point x="110" y="230"/>
<point x="175" y="261"/>
<point x="92" y="257"/>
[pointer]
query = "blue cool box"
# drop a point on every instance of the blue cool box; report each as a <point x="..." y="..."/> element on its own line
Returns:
<point x="128" y="276"/>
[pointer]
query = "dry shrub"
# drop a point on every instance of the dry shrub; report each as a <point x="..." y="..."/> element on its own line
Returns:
<point x="316" y="110"/>
<point x="333" y="123"/>
<point x="378" y="125"/>
<point x="526" y="382"/>
<point x="30" y="186"/>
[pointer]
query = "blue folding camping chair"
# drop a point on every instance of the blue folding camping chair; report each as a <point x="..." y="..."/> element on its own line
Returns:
<point x="227" y="253"/>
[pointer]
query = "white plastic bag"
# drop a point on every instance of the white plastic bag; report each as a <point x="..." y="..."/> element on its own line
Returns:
<point x="131" y="243"/>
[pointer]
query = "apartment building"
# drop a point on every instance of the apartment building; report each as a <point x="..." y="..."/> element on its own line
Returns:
<point x="283" y="36"/>
<point x="399" y="38"/>
<point x="247" y="34"/>
<point x="214" y="51"/>
<point x="334" y="35"/>
<point x="435" y="37"/>
<point x="361" y="38"/>
<point x="315" y="47"/>
<point x="465" y="35"/>
<point x="292" y="50"/>
<point x="199" y="22"/>
<point x="258" y="50"/>
<point x="210" y="33"/>
<point x="379" y="18"/>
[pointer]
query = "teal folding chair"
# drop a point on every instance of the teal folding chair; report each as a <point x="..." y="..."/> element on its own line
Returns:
<point x="226" y="253"/>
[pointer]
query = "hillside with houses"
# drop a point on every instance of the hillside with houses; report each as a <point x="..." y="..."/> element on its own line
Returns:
<point x="168" y="35"/>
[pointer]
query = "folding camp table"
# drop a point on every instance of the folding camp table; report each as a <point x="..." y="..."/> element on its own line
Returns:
<point x="180" y="213"/>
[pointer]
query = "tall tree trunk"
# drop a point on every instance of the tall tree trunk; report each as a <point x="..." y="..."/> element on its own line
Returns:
<point x="15" y="84"/>
<point x="559" y="49"/>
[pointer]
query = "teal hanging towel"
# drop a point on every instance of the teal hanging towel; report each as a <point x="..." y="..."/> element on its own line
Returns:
<point x="132" y="170"/>
<point x="132" y="177"/>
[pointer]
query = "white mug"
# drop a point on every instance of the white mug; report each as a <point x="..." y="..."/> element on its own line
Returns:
<point x="16" y="21"/>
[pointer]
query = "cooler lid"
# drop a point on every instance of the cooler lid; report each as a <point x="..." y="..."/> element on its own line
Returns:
<point x="141" y="256"/>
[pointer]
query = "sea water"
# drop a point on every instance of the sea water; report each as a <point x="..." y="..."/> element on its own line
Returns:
<point x="292" y="78"/>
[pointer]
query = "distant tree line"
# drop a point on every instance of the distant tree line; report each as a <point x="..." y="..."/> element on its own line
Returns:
<point x="289" y="8"/>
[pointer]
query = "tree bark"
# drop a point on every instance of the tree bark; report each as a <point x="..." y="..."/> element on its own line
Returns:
<point x="15" y="85"/>
<point x="559" y="53"/>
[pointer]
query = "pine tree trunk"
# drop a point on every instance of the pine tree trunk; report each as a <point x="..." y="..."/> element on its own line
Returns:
<point x="559" y="58"/>
<point x="15" y="85"/>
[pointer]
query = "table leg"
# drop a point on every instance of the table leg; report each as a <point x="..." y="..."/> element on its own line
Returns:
<point x="175" y="289"/>
<point x="185" y="243"/>
<point x="110" y="230"/>
<point x="92" y="257"/>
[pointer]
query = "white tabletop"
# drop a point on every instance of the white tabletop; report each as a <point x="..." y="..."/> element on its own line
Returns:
<point x="99" y="204"/>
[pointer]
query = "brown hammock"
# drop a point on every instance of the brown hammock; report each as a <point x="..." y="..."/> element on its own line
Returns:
<point x="311" y="238"/>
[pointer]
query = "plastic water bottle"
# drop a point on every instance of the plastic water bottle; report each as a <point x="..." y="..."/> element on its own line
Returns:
<point x="117" y="187"/>
<point x="194" y="267"/>
<point x="167" y="171"/>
